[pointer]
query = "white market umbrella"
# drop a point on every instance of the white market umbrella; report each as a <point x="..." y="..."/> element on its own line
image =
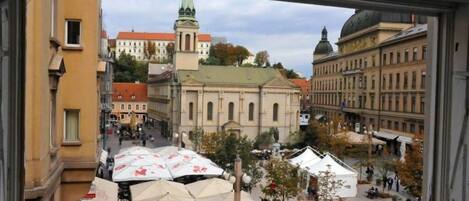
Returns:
<point x="159" y="190"/>
<point x="196" y="166"/>
<point x="128" y="172"/>
<point x="136" y="150"/>
<point x="103" y="190"/>
<point x="227" y="197"/>
<point x="209" y="187"/>
<point x="139" y="160"/>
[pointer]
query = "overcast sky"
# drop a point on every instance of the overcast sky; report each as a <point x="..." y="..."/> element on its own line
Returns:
<point x="288" y="31"/>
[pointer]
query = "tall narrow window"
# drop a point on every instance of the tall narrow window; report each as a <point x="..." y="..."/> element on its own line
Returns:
<point x="398" y="80"/>
<point x="414" y="80"/>
<point x="406" y="55"/>
<point x="422" y="80"/>
<point x="187" y="42"/>
<point x="404" y="103"/>
<point x="71" y="127"/>
<point x="391" y="58"/>
<point x="384" y="60"/>
<point x="414" y="54"/>
<point x="72" y="32"/>
<point x="231" y="111"/>
<point x="275" y="112"/>
<point x="390" y="81"/>
<point x="424" y="52"/>
<point x="413" y="104"/>
<point x="397" y="108"/>
<point x="251" y="111"/>
<point x="209" y="111"/>
<point x="398" y="57"/>
<point x="191" y="111"/>
<point x="406" y="79"/>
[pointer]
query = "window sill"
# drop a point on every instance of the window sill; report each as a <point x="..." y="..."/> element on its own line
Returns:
<point x="72" y="48"/>
<point x="71" y="144"/>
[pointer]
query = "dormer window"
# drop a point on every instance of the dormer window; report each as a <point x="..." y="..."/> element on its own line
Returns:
<point x="119" y="97"/>
<point x="133" y="97"/>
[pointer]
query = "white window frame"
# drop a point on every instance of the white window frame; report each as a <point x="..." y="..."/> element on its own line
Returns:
<point x="65" y="140"/>
<point x="66" y="33"/>
<point x="53" y="15"/>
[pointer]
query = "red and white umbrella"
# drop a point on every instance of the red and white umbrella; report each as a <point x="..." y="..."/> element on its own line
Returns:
<point x="196" y="166"/>
<point x="130" y="172"/>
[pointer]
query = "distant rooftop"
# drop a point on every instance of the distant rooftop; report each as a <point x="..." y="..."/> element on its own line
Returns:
<point x="230" y="75"/>
<point x="157" y="36"/>
<point x="129" y="92"/>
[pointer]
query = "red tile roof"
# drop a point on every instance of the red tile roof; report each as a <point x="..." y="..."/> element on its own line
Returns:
<point x="303" y="84"/>
<point x="123" y="92"/>
<point x="157" y="36"/>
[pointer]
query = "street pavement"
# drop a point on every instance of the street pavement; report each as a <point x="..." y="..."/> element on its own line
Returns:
<point x="160" y="141"/>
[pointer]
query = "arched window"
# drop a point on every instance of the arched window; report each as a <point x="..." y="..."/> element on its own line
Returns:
<point x="187" y="42"/>
<point x="251" y="111"/>
<point x="275" y="112"/>
<point x="209" y="111"/>
<point x="231" y="111"/>
<point x="191" y="111"/>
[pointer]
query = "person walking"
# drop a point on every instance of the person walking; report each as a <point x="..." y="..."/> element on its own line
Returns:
<point x="121" y="138"/>
<point x="144" y="139"/>
<point x="385" y="182"/>
<point x="390" y="182"/>
<point x="397" y="185"/>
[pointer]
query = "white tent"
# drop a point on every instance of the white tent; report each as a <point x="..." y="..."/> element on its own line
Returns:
<point x="307" y="158"/>
<point x="209" y="187"/>
<point x="342" y="172"/>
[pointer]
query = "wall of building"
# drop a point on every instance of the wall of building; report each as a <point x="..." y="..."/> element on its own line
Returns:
<point x="221" y="97"/>
<point x="356" y="84"/>
<point x="80" y="158"/>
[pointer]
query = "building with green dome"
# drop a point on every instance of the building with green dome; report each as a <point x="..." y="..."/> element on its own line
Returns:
<point x="376" y="76"/>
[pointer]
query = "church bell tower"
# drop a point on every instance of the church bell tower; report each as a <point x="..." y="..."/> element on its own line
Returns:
<point x="186" y="29"/>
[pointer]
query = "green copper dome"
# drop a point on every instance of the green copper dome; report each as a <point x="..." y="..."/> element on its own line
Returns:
<point x="363" y="19"/>
<point x="324" y="46"/>
<point x="187" y="10"/>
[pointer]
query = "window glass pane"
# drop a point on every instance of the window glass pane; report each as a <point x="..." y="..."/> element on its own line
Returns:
<point x="210" y="111"/>
<point x="71" y="125"/>
<point x="251" y="111"/>
<point x="191" y="114"/>
<point x="275" y="112"/>
<point x="73" y="32"/>
<point x="231" y="111"/>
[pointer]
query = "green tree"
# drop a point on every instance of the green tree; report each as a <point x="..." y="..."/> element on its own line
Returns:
<point x="127" y="69"/>
<point x="262" y="58"/>
<point x="195" y="136"/>
<point x="170" y="52"/>
<point x="264" y="140"/>
<point x="411" y="170"/>
<point x="149" y="49"/>
<point x="240" y="54"/>
<point x="278" y="65"/>
<point x="328" y="185"/>
<point x="283" y="181"/>
<point x="222" y="148"/>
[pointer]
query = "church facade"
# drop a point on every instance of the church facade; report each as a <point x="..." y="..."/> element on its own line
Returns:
<point x="244" y="101"/>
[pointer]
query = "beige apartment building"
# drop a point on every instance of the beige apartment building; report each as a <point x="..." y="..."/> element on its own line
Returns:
<point x="61" y="104"/>
<point x="129" y="99"/>
<point x="377" y="78"/>
<point x="245" y="101"/>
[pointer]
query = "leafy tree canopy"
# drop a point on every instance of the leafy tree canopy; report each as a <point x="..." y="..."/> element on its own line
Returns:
<point x="127" y="69"/>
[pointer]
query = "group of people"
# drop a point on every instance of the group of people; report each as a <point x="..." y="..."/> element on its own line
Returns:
<point x="372" y="193"/>
<point x="389" y="181"/>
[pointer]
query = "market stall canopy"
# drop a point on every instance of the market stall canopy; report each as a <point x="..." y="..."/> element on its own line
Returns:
<point x="328" y="163"/>
<point x="355" y="138"/>
<point x="227" y="197"/>
<point x="307" y="158"/>
<point x="209" y="187"/>
<point x="136" y="150"/>
<point x="102" y="190"/>
<point x="167" y="150"/>
<point x="159" y="190"/>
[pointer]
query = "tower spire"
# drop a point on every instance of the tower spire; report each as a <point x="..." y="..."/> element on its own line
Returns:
<point x="187" y="10"/>
<point x="324" y="33"/>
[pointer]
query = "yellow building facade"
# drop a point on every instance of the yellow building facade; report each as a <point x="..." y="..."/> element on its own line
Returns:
<point x="377" y="78"/>
<point x="62" y="96"/>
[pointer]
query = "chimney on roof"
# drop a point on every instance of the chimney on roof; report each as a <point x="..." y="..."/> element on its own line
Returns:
<point x="132" y="30"/>
<point x="137" y="82"/>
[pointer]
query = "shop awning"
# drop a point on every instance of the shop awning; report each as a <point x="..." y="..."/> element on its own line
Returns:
<point x="392" y="136"/>
<point x="318" y="116"/>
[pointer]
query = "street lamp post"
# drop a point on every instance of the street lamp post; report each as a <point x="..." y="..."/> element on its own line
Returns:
<point x="238" y="173"/>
